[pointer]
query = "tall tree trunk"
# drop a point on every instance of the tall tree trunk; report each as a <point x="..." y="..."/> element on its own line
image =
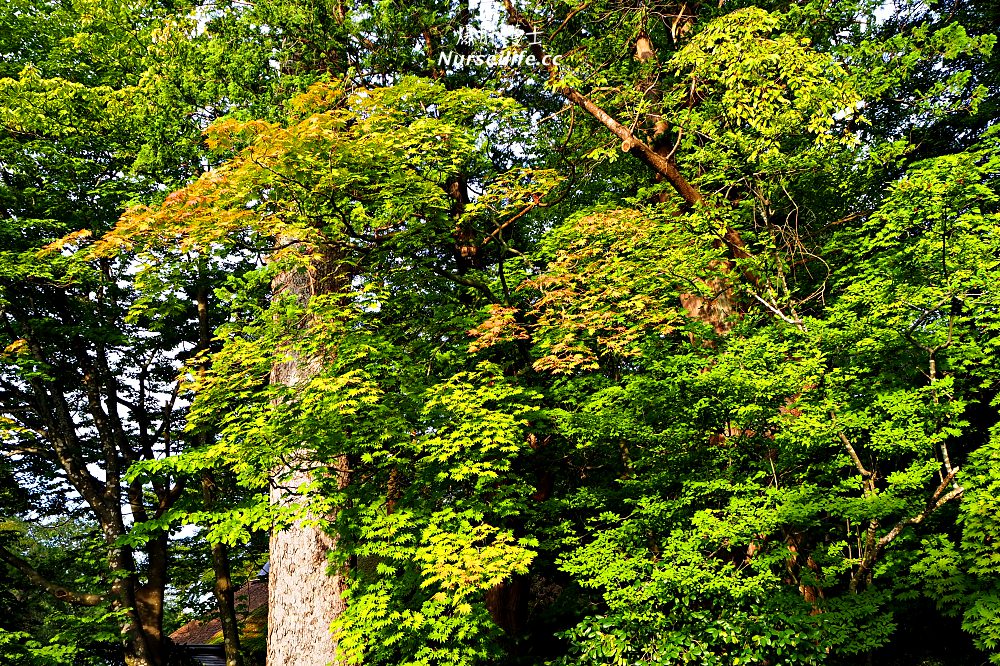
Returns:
<point x="223" y="589"/>
<point x="141" y="649"/>
<point x="149" y="598"/>
<point x="304" y="597"/>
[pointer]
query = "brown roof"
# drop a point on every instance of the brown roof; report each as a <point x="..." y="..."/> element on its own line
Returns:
<point x="249" y="598"/>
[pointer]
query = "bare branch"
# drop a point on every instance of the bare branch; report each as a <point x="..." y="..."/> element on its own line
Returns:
<point x="797" y="323"/>
<point x="850" y="449"/>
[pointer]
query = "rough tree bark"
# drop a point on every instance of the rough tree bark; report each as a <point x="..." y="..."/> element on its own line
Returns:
<point x="304" y="597"/>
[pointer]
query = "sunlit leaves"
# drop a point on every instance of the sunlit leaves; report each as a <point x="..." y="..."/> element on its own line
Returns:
<point x="759" y="86"/>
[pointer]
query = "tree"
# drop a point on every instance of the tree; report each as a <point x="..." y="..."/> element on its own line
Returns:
<point x="684" y="357"/>
<point x="395" y="162"/>
<point x="87" y="385"/>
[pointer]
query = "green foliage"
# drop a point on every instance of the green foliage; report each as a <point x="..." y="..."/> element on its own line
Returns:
<point x="36" y="630"/>
<point x="551" y="413"/>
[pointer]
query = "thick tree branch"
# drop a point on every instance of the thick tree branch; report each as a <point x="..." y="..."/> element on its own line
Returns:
<point x="57" y="591"/>
<point x="630" y="143"/>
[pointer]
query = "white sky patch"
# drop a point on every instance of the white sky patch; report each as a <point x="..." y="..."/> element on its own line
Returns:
<point x="492" y="19"/>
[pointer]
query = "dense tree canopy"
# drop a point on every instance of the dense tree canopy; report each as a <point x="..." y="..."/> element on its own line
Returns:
<point x="679" y="348"/>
